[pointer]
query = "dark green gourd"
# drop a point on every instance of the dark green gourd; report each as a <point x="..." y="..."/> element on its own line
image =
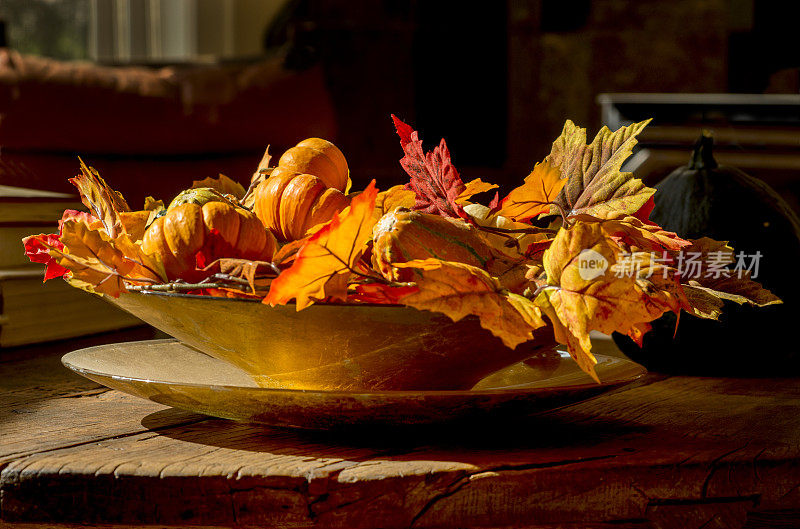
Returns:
<point x="724" y="203"/>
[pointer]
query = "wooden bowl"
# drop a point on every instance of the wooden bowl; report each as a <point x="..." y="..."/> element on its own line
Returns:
<point x="334" y="346"/>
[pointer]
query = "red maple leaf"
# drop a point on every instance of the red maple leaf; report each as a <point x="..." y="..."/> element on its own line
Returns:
<point x="37" y="251"/>
<point x="644" y="212"/>
<point x="434" y="178"/>
<point x="36" y="246"/>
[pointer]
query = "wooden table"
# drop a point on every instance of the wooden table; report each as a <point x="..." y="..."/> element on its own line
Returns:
<point x="677" y="452"/>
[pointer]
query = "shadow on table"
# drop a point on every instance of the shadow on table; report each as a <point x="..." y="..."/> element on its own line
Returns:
<point x="544" y="431"/>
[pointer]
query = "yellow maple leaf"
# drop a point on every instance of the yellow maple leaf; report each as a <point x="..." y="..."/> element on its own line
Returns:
<point x="102" y="265"/>
<point x="459" y="290"/>
<point x="323" y="265"/>
<point x="593" y="285"/>
<point x="103" y="202"/>
<point x="535" y="196"/>
<point x="393" y="198"/>
<point x="473" y="187"/>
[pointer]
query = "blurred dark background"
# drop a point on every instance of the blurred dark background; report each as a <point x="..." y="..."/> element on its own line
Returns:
<point x="496" y="79"/>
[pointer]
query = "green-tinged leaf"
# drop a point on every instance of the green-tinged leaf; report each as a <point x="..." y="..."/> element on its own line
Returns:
<point x="595" y="185"/>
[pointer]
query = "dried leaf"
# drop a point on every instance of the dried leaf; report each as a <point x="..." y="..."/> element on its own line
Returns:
<point x="223" y="184"/>
<point x="633" y="234"/>
<point x="323" y="265"/>
<point x="134" y="223"/>
<point x="257" y="274"/>
<point x="579" y="348"/>
<point x="393" y="198"/>
<point x="585" y="290"/>
<point x="286" y="254"/>
<point x="595" y="185"/>
<point x="147" y="268"/>
<point x="460" y="290"/>
<point x="704" y="304"/>
<point x="434" y="179"/>
<point x="709" y="250"/>
<point x="473" y="187"/>
<point x="534" y="197"/>
<point x="151" y="204"/>
<point x="37" y="247"/>
<point x="741" y="290"/>
<point x="103" y="202"/>
<point x="93" y="261"/>
<point x="261" y="174"/>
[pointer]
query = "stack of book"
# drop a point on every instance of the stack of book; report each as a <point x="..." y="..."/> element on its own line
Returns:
<point x="32" y="311"/>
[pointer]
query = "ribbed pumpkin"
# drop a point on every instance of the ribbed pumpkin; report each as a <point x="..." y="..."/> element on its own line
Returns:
<point x="304" y="190"/>
<point x="186" y="228"/>
<point x="320" y="158"/>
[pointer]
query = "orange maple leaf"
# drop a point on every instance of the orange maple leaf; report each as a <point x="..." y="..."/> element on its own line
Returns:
<point x="535" y="196"/>
<point x="473" y="187"/>
<point x="324" y="264"/>
<point x="134" y="223"/>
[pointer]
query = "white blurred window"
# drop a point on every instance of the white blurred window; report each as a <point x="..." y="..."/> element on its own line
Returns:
<point x="139" y="31"/>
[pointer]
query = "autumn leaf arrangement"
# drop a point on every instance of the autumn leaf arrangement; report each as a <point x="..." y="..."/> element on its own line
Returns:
<point x="571" y="248"/>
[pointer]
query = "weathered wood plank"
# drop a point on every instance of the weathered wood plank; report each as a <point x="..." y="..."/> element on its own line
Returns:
<point x="634" y="455"/>
<point x="44" y="406"/>
<point x="676" y="452"/>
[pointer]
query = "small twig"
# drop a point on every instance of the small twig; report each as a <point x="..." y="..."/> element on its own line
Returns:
<point x="225" y="278"/>
<point x="177" y="287"/>
<point x="254" y="183"/>
<point x="564" y="216"/>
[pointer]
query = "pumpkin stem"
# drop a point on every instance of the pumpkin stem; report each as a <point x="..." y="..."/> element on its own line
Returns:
<point x="702" y="156"/>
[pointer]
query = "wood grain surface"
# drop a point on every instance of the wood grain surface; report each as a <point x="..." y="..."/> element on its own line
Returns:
<point x="678" y="452"/>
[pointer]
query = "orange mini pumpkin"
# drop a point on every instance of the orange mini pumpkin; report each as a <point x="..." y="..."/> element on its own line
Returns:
<point x="289" y="204"/>
<point x="204" y="221"/>
<point x="320" y="158"/>
<point x="305" y="189"/>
